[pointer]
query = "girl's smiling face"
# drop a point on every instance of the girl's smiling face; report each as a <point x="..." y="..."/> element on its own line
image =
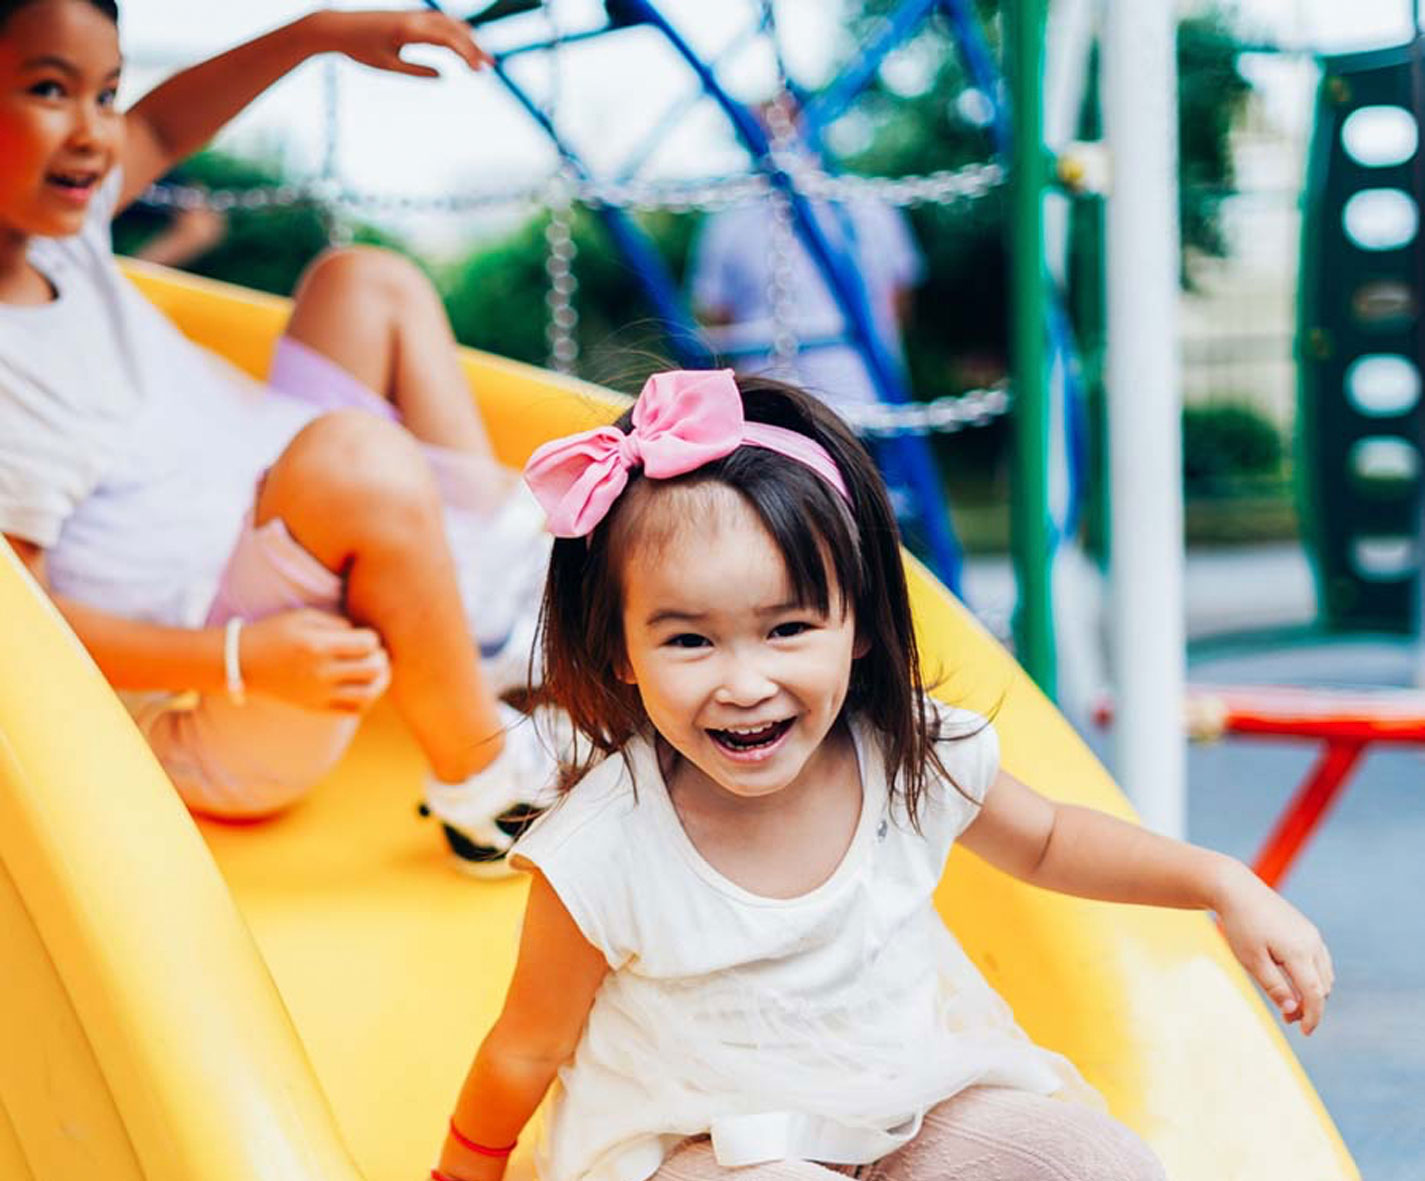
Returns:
<point x="60" y="131"/>
<point x="743" y="682"/>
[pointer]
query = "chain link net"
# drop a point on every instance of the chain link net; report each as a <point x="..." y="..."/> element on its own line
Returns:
<point x="560" y="193"/>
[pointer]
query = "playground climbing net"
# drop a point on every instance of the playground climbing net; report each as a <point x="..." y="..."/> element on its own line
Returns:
<point x="559" y="194"/>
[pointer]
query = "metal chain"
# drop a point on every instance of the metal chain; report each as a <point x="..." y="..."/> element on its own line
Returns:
<point x="943" y="416"/>
<point x="781" y="282"/>
<point x="559" y="194"/>
<point x="339" y="232"/>
<point x="937" y="188"/>
<point x="562" y="330"/>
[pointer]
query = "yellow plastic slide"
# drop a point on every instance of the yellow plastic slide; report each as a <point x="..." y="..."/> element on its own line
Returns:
<point x="298" y="1000"/>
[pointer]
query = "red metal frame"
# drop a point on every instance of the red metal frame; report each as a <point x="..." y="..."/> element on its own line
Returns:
<point x="1346" y="722"/>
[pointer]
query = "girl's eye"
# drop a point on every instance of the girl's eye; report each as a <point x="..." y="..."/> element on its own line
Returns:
<point x="107" y="98"/>
<point x="686" y="640"/>
<point x="49" y="88"/>
<point x="785" y="631"/>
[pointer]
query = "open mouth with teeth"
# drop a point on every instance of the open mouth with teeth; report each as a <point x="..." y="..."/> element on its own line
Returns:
<point x="746" y="739"/>
<point x="78" y="182"/>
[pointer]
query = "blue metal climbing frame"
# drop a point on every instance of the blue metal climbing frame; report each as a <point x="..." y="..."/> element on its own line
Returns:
<point x="906" y="458"/>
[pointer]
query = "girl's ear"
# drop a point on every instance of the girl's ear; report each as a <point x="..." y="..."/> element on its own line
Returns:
<point x="862" y="645"/>
<point x="623" y="670"/>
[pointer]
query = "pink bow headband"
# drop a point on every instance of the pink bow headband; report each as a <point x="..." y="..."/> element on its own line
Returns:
<point x="683" y="419"/>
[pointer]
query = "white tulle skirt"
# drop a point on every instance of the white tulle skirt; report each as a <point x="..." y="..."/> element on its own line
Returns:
<point x="769" y="1076"/>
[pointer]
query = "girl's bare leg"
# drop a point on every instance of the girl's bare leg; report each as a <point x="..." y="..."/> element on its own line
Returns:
<point x="357" y="493"/>
<point x="377" y="316"/>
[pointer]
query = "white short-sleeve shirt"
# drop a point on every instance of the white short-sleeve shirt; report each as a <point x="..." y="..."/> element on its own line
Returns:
<point x="126" y="451"/>
<point x="820" y="1027"/>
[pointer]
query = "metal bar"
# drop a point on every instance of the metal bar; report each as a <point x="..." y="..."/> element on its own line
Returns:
<point x="679" y="110"/>
<point x="1145" y="404"/>
<point x="980" y="66"/>
<point x="647" y="263"/>
<point x="1306" y="811"/>
<point x="911" y="453"/>
<point x="831" y="103"/>
<point x="555" y="42"/>
<point x="1030" y="526"/>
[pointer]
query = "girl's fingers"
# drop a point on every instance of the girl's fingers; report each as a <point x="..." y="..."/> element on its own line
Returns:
<point x="1274" y="982"/>
<point x="1310" y="987"/>
<point x="352" y="699"/>
<point x="354" y="643"/>
<point x="455" y="36"/>
<point x="365" y="672"/>
<point x="399" y="65"/>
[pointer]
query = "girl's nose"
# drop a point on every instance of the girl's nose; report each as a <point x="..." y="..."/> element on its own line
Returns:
<point x="93" y="126"/>
<point x="744" y="684"/>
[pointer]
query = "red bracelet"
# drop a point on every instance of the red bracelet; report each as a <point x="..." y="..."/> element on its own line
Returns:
<point x="437" y="1175"/>
<point x="465" y="1142"/>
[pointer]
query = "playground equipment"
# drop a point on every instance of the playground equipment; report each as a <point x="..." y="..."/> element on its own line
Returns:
<point x="299" y="999"/>
<point x="789" y="168"/>
<point x="1360" y="344"/>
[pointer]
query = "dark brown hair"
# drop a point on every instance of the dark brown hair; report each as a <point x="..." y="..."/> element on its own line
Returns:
<point x="835" y="554"/>
<point x="8" y="8"/>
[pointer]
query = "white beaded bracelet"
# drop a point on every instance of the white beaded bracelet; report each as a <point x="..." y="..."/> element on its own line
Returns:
<point x="232" y="667"/>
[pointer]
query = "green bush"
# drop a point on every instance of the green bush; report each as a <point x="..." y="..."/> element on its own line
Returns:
<point x="1227" y="441"/>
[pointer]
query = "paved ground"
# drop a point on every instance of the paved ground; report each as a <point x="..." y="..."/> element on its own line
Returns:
<point x="1362" y="880"/>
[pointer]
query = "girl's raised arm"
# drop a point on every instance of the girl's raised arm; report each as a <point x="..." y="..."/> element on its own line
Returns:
<point x="1081" y="851"/>
<point x="555" y="979"/>
<point x="182" y="114"/>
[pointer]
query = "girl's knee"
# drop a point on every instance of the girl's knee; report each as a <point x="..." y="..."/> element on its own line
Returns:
<point x="349" y="462"/>
<point x="372" y="271"/>
<point x="1033" y="1138"/>
<point x="1086" y="1143"/>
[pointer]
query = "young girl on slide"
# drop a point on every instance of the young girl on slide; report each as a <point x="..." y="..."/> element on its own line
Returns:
<point x="729" y="955"/>
<point x="284" y="554"/>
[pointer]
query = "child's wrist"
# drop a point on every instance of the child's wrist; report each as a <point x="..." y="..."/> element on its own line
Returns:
<point x="1226" y="881"/>
<point x="313" y="32"/>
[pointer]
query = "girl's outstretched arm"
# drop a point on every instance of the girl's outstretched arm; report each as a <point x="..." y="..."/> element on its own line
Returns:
<point x="556" y="977"/>
<point x="1081" y="851"/>
<point x="182" y="114"/>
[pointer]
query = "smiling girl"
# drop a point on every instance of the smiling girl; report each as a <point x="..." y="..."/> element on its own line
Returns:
<point x="730" y="957"/>
<point x="252" y="566"/>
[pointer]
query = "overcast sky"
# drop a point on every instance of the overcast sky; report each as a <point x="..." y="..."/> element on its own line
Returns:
<point x="464" y="133"/>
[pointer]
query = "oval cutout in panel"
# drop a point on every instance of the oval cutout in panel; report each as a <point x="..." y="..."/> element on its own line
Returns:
<point x="1381" y="384"/>
<point x="1384" y="465"/>
<point x="1383" y="304"/>
<point x="1383" y="559"/>
<point x="1380" y="136"/>
<point x="1381" y="219"/>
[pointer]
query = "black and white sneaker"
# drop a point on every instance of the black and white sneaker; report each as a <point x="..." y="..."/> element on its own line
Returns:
<point x="484" y="816"/>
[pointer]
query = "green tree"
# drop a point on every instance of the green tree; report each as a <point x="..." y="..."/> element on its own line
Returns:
<point x="265" y="249"/>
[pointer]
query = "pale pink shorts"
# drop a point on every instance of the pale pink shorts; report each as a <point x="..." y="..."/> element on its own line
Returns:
<point x="244" y="762"/>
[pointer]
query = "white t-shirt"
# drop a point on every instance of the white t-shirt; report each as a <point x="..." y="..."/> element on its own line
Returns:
<point x="732" y="264"/>
<point x="126" y="451"/>
<point x="820" y="1027"/>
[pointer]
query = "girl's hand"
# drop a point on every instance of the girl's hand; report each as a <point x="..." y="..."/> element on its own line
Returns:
<point x="377" y="38"/>
<point x="314" y="659"/>
<point x="1278" y="945"/>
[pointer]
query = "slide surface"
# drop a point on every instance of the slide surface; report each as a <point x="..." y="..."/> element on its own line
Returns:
<point x="299" y="999"/>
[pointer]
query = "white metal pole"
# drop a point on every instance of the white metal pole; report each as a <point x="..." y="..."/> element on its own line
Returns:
<point x="1144" y="408"/>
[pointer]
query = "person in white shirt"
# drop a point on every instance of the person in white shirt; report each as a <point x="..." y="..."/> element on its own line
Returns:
<point x="253" y="567"/>
<point x="733" y="259"/>
<point x="730" y="957"/>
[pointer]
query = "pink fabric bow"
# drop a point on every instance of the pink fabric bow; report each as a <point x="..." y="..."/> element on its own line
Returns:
<point x="682" y="420"/>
